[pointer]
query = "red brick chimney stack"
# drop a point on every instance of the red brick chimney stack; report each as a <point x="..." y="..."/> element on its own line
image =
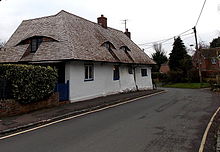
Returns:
<point x="128" y="33"/>
<point x="102" y="21"/>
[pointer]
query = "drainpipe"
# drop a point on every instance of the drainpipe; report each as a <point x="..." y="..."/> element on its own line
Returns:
<point x="135" y="81"/>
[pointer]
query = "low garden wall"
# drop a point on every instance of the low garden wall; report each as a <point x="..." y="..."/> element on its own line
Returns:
<point x="12" y="107"/>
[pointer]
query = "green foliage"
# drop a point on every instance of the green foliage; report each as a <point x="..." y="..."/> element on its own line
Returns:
<point x="176" y="76"/>
<point x="215" y="43"/>
<point x="193" y="76"/>
<point x="186" y="64"/>
<point x="29" y="83"/>
<point x="161" y="77"/>
<point x="180" y="62"/>
<point x="159" y="57"/>
<point x="188" y="85"/>
<point x="177" y="54"/>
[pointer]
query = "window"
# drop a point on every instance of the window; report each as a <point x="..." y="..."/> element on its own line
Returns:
<point x="35" y="43"/>
<point x="116" y="74"/>
<point x="130" y="70"/>
<point x="125" y="48"/>
<point x="213" y="60"/>
<point x="108" y="45"/>
<point x="89" y="72"/>
<point x="143" y="72"/>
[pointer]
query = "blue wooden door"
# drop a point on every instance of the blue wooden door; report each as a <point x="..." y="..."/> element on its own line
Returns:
<point x="63" y="89"/>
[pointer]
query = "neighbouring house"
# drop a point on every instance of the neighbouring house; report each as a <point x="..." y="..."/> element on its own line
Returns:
<point x="92" y="58"/>
<point x="208" y="60"/>
<point x="164" y="68"/>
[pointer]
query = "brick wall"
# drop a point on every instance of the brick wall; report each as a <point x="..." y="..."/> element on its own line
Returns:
<point x="12" y="107"/>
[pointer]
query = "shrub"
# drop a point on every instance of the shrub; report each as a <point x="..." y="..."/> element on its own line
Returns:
<point x="161" y="77"/>
<point x="193" y="76"/>
<point x="29" y="83"/>
<point x="176" y="76"/>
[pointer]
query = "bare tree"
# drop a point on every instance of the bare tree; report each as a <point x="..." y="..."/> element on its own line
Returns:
<point x="159" y="56"/>
<point x="158" y="47"/>
<point x="203" y="45"/>
<point x="2" y="44"/>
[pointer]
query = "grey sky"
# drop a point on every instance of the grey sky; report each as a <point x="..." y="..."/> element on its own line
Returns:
<point x="148" y="20"/>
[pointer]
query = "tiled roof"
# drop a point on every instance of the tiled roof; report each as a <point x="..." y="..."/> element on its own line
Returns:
<point x="210" y="53"/>
<point x="76" y="38"/>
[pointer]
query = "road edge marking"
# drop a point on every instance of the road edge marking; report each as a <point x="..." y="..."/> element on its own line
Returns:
<point x="201" y="148"/>
<point x="82" y="114"/>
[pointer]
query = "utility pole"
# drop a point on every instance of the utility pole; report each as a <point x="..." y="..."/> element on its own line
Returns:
<point x="199" y="53"/>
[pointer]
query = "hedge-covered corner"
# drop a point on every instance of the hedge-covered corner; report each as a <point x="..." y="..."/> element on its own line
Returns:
<point x="29" y="83"/>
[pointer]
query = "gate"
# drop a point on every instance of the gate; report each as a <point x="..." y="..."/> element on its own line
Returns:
<point x="63" y="89"/>
<point x="5" y="91"/>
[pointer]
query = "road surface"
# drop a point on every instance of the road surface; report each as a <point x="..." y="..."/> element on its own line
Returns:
<point x="169" y="122"/>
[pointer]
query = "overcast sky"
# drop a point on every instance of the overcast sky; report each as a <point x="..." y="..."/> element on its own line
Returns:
<point x="148" y="20"/>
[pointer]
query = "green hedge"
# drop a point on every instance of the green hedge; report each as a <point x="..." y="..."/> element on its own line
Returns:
<point x="162" y="77"/>
<point x="29" y="83"/>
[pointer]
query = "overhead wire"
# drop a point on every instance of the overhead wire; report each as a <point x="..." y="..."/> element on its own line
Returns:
<point x="181" y="34"/>
<point x="165" y="40"/>
<point x="150" y="44"/>
<point x="200" y="13"/>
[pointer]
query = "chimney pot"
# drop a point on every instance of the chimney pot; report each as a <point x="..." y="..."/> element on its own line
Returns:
<point x="102" y="21"/>
<point x="127" y="33"/>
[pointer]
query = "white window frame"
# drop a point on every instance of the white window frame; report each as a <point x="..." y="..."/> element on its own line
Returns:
<point x="213" y="61"/>
<point x="88" y="72"/>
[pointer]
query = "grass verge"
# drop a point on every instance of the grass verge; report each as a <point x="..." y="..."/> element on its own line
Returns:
<point x="188" y="85"/>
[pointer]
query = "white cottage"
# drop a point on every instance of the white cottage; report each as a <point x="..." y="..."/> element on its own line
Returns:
<point x="94" y="59"/>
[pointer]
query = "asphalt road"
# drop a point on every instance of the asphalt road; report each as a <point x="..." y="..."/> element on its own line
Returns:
<point x="169" y="122"/>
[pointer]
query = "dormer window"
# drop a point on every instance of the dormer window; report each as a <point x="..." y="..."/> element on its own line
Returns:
<point x="125" y="48"/>
<point x="35" y="43"/>
<point x="108" y="45"/>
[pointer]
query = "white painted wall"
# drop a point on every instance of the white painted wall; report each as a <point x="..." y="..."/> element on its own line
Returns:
<point x="103" y="83"/>
<point x="145" y="82"/>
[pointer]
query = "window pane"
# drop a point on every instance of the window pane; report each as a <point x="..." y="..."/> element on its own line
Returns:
<point x="143" y="72"/>
<point x="39" y="41"/>
<point x="130" y="71"/>
<point x="86" y="72"/>
<point x="34" y="45"/>
<point x="89" y="72"/>
<point x="116" y="74"/>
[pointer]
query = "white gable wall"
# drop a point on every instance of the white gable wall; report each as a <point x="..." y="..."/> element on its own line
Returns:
<point x="145" y="82"/>
<point x="103" y="83"/>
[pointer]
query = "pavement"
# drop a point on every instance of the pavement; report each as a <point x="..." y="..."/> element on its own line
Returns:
<point x="43" y="116"/>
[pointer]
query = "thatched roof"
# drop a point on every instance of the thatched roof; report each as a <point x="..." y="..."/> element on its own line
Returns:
<point x="75" y="39"/>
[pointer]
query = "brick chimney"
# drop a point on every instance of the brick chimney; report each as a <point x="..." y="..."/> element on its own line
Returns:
<point x="102" y="21"/>
<point x="127" y="33"/>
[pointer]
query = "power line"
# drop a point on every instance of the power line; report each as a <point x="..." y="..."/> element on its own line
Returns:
<point x="187" y="34"/>
<point x="165" y="40"/>
<point x="200" y="12"/>
<point x="181" y="34"/>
